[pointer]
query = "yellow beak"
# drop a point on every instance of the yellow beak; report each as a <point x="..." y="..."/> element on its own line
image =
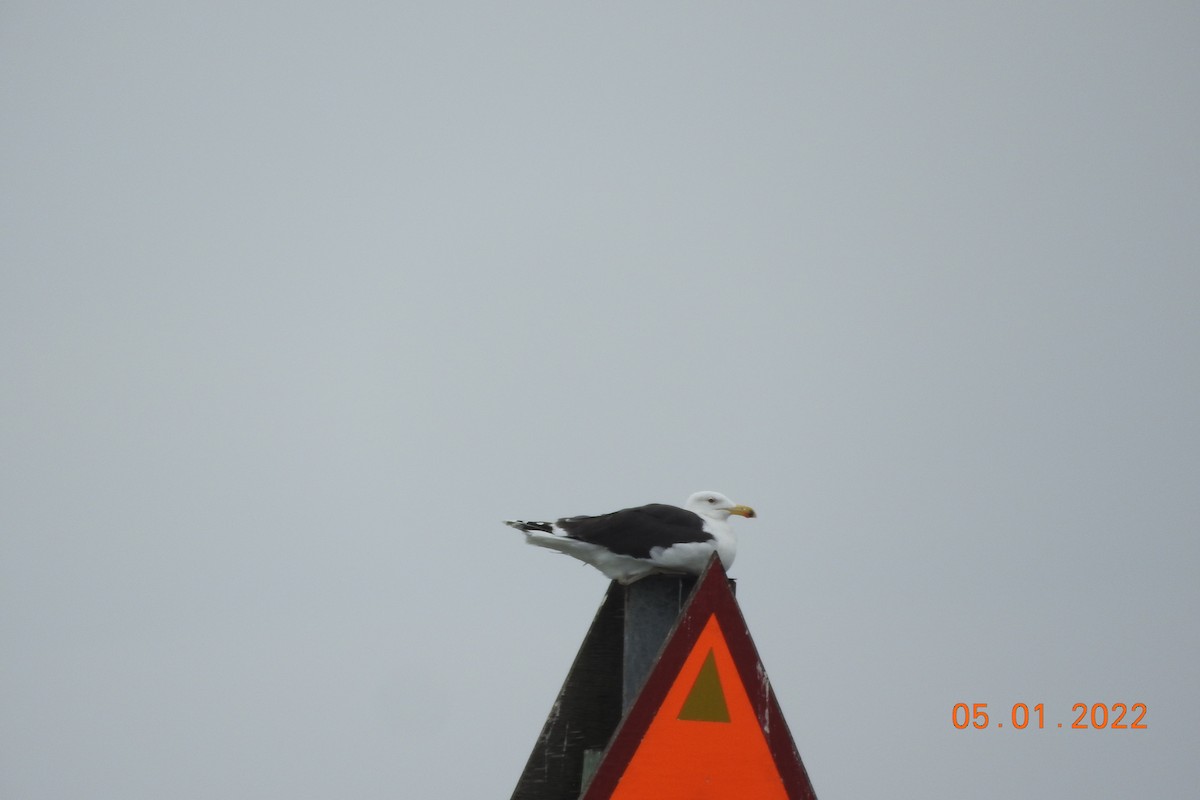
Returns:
<point x="743" y="511"/>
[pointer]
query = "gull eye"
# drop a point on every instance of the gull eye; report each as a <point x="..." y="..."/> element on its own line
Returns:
<point x="712" y="499"/>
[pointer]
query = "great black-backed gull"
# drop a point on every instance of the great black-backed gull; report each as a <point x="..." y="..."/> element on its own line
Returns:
<point x="635" y="542"/>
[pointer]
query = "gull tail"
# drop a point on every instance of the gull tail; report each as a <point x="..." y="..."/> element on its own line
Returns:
<point x="529" y="527"/>
<point x="545" y="534"/>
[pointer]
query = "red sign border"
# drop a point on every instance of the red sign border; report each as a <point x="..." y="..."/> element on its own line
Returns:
<point x="712" y="596"/>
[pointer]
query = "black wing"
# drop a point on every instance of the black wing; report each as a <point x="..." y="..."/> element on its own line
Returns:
<point x="635" y="531"/>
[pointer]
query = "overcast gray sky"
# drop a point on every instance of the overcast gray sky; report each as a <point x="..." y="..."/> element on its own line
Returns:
<point x="300" y="300"/>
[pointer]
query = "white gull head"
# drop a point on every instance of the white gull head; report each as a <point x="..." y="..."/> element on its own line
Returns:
<point x="716" y="506"/>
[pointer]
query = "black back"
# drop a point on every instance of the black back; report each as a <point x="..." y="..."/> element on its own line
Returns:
<point x="635" y="531"/>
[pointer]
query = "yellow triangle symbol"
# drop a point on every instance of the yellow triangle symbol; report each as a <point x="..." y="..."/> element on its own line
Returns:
<point x="706" y="700"/>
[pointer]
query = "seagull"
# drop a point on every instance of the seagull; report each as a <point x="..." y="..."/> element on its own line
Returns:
<point x="630" y="544"/>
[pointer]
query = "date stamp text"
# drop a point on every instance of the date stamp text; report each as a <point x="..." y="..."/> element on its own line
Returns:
<point x="1097" y="716"/>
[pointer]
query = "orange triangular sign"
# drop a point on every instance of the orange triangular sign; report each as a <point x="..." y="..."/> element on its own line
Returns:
<point x="679" y="759"/>
<point x="706" y="724"/>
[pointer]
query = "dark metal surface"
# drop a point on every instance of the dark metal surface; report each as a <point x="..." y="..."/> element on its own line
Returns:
<point x="652" y="606"/>
<point x="585" y="713"/>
